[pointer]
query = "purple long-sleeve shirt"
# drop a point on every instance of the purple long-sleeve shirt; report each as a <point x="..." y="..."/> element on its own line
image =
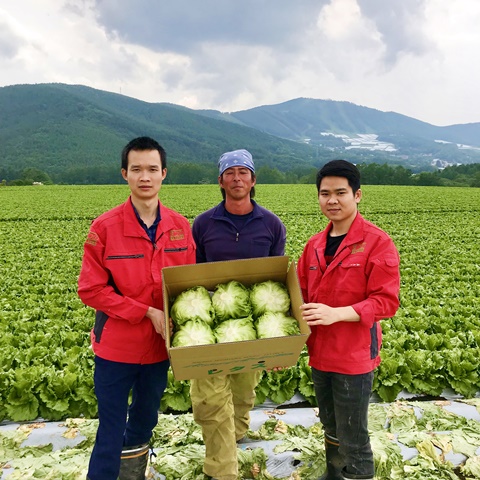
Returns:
<point x="219" y="236"/>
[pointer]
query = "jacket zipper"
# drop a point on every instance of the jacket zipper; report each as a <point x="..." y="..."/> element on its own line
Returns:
<point x="155" y="242"/>
<point x="119" y="257"/>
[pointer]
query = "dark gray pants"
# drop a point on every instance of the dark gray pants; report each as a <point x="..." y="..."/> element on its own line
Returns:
<point x="343" y="409"/>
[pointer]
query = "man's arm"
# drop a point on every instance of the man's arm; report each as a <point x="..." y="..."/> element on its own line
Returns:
<point x="279" y="241"/>
<point x="321" y="314"/>
<point x="158" y="320"/>
<point x="383" y="285"/>
<point x="96" y="289"/>
<point x="200" y="251"/>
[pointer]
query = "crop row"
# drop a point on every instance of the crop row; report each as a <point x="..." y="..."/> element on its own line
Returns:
<point x="46" y="366"/>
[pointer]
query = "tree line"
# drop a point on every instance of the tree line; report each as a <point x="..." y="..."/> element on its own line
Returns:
<point x="467" y="175"/>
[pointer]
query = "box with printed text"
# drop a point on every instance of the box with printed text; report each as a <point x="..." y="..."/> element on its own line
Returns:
<point x="202" y="361"/>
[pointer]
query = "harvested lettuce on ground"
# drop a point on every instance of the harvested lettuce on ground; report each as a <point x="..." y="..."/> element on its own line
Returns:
<point x="192" y="304"/>
<point x="235" y="330"/>
<point x="309" y="452"/>
<point x="175" y="430"/>
<point x="252" y="463"/>
<point x="193" y="332"/>
<point x="179" y="449"/>
<point x="471" y="469"/>
<point x="180" y="462"/>
<point x="231" y="300"/>
<point x="276" y="325"/>
<point x="387" y="453"/>
<point x="269" y="296"/>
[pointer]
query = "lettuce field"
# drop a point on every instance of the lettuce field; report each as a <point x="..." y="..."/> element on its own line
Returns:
<point x="46" y="365"/>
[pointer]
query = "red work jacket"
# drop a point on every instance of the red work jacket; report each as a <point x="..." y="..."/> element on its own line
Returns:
<point x="364" y="274"/>
<point x="121" y="276"/>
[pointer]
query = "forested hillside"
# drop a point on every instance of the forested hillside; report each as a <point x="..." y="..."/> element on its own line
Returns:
<point x="72" y="134"/>
<point x="75" y="134"/>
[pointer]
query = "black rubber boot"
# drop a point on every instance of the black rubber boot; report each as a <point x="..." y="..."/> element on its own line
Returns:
<point x="353" y="476"/>
<point x="334" y="460"/>
<point x="133" y="463"/>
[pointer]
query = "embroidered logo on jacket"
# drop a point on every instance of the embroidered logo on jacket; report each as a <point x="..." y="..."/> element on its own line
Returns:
<point x="177" y="235"/>
<point x="359" y="247"/>
<point x="92" y="238"/>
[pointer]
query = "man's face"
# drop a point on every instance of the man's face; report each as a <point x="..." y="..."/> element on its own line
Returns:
<point x="237" y="182"/>
<point x="144" y="174"/>
<point x="337" y="200"/>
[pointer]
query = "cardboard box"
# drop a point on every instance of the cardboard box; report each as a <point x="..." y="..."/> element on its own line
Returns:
<point x="202" y="361"/>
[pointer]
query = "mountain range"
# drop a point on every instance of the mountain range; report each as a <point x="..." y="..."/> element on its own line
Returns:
<point x="57" y="127"/>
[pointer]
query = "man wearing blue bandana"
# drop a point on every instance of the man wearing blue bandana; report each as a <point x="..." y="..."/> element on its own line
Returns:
<point x="236" y="228"/>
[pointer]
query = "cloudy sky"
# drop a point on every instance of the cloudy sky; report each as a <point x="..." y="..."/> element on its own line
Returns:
<point x="415" y="57"/>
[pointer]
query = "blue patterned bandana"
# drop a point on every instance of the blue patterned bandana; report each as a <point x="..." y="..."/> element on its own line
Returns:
<point x="237" y="158"/>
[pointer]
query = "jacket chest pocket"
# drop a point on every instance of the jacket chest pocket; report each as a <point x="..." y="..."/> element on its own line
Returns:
<point x="174" y="255"/>
<point x="352" y="270"/>
<point x="353" y="261"/>
<point x="128" y="272"/>
<point x="175" y="249"/>
<point x="350" y="282"/>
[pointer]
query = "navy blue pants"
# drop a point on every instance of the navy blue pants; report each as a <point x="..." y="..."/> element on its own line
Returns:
<point x="121" y="424"/>
<point x="343" y="402"/>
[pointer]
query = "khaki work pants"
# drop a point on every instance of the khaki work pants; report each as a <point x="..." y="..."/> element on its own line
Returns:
<point x="221" y="406"/>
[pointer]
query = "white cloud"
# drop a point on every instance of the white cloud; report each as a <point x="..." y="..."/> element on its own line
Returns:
<point x="342" y="19"/>
<point x="415" y="57"/>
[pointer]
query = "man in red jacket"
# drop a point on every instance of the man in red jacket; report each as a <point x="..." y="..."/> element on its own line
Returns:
<point x="121" y="278"/>
<point x="350" y="280"/>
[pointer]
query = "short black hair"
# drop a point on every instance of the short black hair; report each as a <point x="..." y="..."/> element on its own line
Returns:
<point x="340" y="168"/>
<point x="141" y="144"/>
